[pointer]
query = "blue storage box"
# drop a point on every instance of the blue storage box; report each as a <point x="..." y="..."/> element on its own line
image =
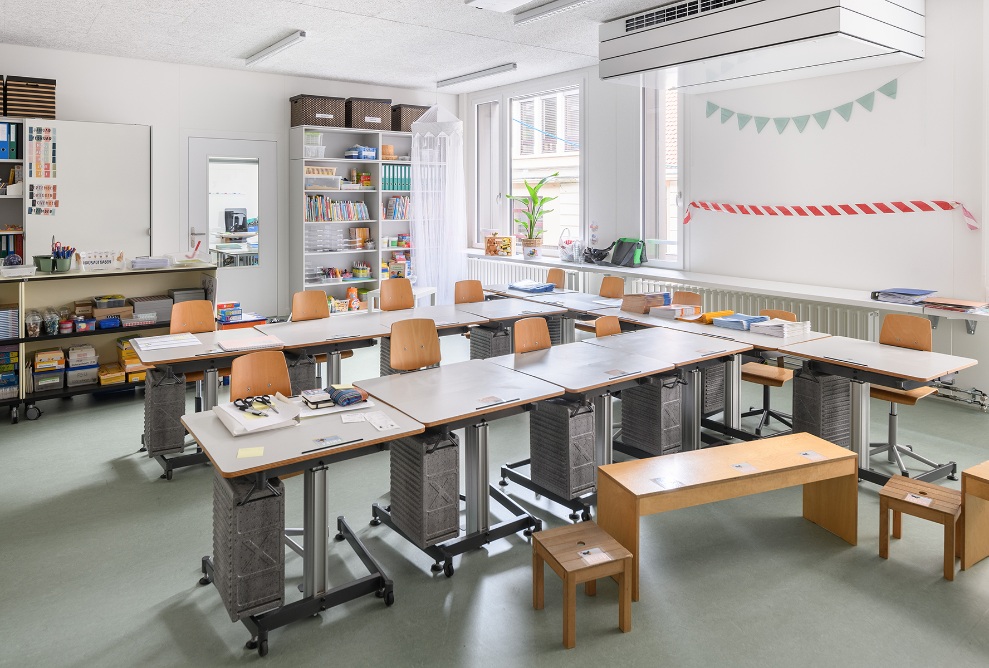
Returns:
<point x="109" y="322"/>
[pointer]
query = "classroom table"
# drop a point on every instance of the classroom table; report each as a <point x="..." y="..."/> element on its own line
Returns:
<point x="505" y="290"/>
<point x="329" y="336"/>
<point x="690" y="353"/>
<point x="207" y="357"/>
<point x="827" y="472"/>
<point x="289" y="450"/>
<point x="468" y="395"/>
<point x="507" y="311"/>
<point x="867" y="362"/>
<point x="584" y="372"/>
<point x="449" y="319"/>
<point x="577" y="304"/>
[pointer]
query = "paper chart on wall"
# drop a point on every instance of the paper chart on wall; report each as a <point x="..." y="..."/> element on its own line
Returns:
<point x="42" y="162"/>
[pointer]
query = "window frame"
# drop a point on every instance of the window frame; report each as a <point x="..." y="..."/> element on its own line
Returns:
<point x="682" y="200"/>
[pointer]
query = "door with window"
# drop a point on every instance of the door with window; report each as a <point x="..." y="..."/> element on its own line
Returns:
<point x="233" y="217"/>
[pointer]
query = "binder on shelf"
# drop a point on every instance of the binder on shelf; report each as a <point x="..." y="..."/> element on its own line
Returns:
<point x="12" y="131"/>
<point x="4" y="148"/>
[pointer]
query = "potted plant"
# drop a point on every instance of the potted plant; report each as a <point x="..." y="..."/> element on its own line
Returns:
<point x="532" y="212"/>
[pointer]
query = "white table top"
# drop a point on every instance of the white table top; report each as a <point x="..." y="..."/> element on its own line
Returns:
<point x="457" y="391"/>
<point x="580" y="369"/>
<point x="206" y="350"/>
<point x="444" y="315"/>
<point x="669" y="345"/>
<point x="574" y="301"/>
<point x="350" y="327"/>
<point x="285" y="446"/>
<point x="510" y="309"/>
<point x="916" y="365"/>
<point x="504" y="289"/>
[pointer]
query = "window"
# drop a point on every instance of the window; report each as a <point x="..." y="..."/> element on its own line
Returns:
<point x="543" y="145"/>
<point x="661" y="185"/>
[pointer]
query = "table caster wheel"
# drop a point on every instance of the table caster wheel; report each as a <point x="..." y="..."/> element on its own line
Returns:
<point x="339" y="537"/>
<point x="263" y="648"/>
<point x="436" y="568"/>
<point x="374" y="521"/>
<point x="448" y="568"/>
<point x="167" y="475"/>
<point x="573" y="517"/>
<point x="527" y="532"/>
<point x="503" y="483"/>
<point x="204" y="580"/>
<point x="32" y="412"/>
<point x="585" y="516"/>
<point x="390" y="599"/>
<point x="251" y="644"/>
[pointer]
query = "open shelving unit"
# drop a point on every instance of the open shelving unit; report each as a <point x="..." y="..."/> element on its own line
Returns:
<point x="306" y="250"/>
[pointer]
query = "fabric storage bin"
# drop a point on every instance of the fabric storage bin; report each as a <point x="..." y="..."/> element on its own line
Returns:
<point x="23" y="96"/>
<point x="404" y="115"/>
<point x="301" y="372"/>
<point x="652" y="417"/>
<point x="368" y="113"/>
<point x="822" y="406"/>
<point x="164" y="406"/>
<point x="487" y="342"/>
<point x="425" y="487"/>
<point x="49" y="380"/>
<point x="317" y="110"/>
<point x="561" y="447"/>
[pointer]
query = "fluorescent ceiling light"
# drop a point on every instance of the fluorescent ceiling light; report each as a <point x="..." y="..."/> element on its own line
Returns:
<point x="548" y="10"/>
<point x="277" y="47"/>
<point x="507" y="67"/>
<point x="497" y="5"/>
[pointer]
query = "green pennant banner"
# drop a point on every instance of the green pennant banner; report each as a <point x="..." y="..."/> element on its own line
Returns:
<point x="867" y="102"/>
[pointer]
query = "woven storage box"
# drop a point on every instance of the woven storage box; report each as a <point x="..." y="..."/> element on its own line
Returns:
<point x="404" y="115"/>
<point x="822" y="406"/>
<point x="651" y="418"/>
<point x="368" y="114"/>
<point x="301" y="372"/>
<point x="164" y="406"/>
<point x="555" y="325"/>
<point x="561" y="447"/>
<point x="486" y="342"/>
<point x="425" y="487"/>
<point x="328" y="112"/>
<point x="713" y="393"/>
<point x="384" y="367"/>
<point x="248" y="552"/>
<point x="29" y="97"/>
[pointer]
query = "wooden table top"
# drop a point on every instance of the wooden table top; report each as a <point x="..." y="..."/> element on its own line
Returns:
<point x="444" y="315"/>
<point x="207" y="349"/>
<point x="356" y="327"/>
<point x="661" y="475"/>
<point x="510" y="309"/>
<point x="579" y="369"/>
<point x="916" y="365"/>
<point x="453" y="392"/>
<point x="281" y="447"/>
<point x="669" y="345"/>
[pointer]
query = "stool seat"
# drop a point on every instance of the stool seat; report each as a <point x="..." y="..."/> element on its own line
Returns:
<point x="766" y="374"/>
<point x="927" y="501"/>
<point x="581" y="553"/>
<point x="905" y="397"/>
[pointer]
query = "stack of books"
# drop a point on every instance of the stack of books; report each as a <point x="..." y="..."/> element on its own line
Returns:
<point x="901" y="295"/>
<point x="739" y="321"/>
<point x="780" y="328"/>
<point x="674" y="311"/>
<point x="528" y="285"/>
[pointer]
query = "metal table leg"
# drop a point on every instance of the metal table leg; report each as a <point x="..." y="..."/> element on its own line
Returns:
<point x="210" y="384"/>
<point x="733" y="387"/>
<point x="315" y="533"/>
<point x="861" y="415"/>
<point x="568" y="333"/>
<point x="604" y="417"/>
<point x="334" y="368"/>
<point x="692" y="409"/>
<point x="476" y="463"/>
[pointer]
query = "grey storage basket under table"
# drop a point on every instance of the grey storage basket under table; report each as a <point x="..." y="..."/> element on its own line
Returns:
<point x="488" y="342"/>
<point x="651" y="417"/>
<point x="822" y="406"/>
<point x="561" y="447"/>
<point x="302" y="372"/>
<point x="425" y="487"/>
<point x="164" y="406"/>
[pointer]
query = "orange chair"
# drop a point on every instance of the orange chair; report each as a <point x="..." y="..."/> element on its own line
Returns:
<point x="311" y="305"/>
<point x="612" y="287"/>
<point x="904" y="331"/>
<point x="415" y="344"/>
<point x="260" y="373"/>
<point x="557" y="277"/>
<point x="396" y="294"/>
<point x="195" y="317"/>
<point x="531" y="334"/>
<point x="685" y="298"/>
<point x="468" y="292"/>
<point x="769" y="376"/>
<point x="607" y="325"/>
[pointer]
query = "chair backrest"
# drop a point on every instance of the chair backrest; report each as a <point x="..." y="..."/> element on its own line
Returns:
<point x="685" y="298"/>
<point x="531" y="334"/>
<point x="255" y="374"/>
<point x="557" y="277"/>
<point x="192" y="317"/>
<point x="414" y="344"/>
<point x="907" y="331"/>
<point x="612" y="287"/>
<point x="789" y="316"/>
<point x="467" y="292"/>
<point x="309" y="305"/>
<point x="607" y="325"/>
<point x="396" y="294"/>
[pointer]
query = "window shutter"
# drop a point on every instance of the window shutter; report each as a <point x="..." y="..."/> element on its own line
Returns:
<point x="572" y="122"/>
<point x="550" y="127"/>
<point x="527" y="139"/>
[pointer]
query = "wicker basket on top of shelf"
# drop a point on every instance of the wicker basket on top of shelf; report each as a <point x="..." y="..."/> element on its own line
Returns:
<point x="368" y="113"/>
<point x="318" y="110"/>
<point x="404" y="115"/>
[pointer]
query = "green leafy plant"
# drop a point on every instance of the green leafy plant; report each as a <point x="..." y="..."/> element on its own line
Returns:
<point x="533" y="208"/>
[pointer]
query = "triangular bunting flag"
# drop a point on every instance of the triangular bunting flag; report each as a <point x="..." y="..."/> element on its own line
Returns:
<point x="726" y="114"/>
<point x="801" y="122"/>
<point x="760" y="123"/>
<point x="867" y="101"/>
<point x="889" y="90"/>
<point x="743" y="120"/>
<point x="845" y="111"/>
<point x="822" y="118"/>
<point x="711" y="108"/>
<point x="781" y="124"/>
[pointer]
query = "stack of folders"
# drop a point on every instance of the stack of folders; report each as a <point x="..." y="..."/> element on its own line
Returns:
<point x="146" y="262"/>
<point x="674" y="311"/>
<point x="780" y="328"/>
<point x="902" y="295"/>
<point x="528" y="285"/>
<point x="739" y="321"/>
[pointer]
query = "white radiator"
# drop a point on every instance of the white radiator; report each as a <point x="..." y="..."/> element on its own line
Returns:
<point x="838" y="320"/>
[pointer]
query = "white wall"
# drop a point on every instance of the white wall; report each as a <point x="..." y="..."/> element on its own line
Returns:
<point x="179" y="101"/>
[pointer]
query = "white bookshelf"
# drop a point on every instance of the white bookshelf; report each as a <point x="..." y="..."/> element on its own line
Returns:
<point x="306" y="249"/>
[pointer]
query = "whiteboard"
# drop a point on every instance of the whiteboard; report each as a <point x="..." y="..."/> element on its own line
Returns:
<point x="103" y="188"/>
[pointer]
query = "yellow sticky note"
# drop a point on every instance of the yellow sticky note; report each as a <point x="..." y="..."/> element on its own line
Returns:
<point x="244" y="453"/>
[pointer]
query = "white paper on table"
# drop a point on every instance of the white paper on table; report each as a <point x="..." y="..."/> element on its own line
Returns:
<point x="307" y="412"/>
<point x="380" y="421"/>
<point x="352" y="417"/>
<point x="593" y="556"/>
<point x="239" y="422"/>
<point x="166" y="341"/>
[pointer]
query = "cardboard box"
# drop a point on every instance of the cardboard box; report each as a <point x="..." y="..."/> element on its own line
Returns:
<point x="499" y="245"/>
<point x="111" y="374"/>
<point x="84" y="307"/>
<point x="136" y="376"/>
<point x="49" y="360"/>
<point x="641" y="303"/>
<point x="121" y="311"/>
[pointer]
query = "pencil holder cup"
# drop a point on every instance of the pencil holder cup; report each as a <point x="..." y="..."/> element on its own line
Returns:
<point x="45" y="263"/>
<point x="63" y="263"/>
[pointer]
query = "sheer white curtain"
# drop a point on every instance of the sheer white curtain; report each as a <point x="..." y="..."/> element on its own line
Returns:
<point x="439" y="202"/>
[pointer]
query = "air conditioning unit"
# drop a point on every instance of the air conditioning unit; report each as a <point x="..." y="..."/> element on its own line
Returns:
<point x="704" y="45"/>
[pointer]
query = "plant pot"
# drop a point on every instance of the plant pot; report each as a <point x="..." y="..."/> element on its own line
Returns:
<point x="532" y="249"/>
<point x="45" y="263"/>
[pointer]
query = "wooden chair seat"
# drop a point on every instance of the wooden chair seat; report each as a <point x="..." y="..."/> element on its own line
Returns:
<point x="323" y="358"/>
<point x="766" y="374"/>
<point x="905" y="397"/>
<point x="584" y="326"/>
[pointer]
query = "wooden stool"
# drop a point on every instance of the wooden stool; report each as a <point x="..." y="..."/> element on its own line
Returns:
<point x="926" y="501"/>
<point x="581" y="553"/>
<point x="975" y="515"/>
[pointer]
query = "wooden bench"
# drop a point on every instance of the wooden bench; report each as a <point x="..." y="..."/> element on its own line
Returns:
<point x="581" y="553"/>
<point x="926" y="501"/>
<point x="828" y="473"/>
<point x="975" y="515"/>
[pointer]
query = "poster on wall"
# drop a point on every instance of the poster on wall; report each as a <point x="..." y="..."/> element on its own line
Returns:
<point x="42" y="163"/>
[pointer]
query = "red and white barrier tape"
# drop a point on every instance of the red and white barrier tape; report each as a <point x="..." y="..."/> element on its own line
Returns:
<point x="875" y="208"/>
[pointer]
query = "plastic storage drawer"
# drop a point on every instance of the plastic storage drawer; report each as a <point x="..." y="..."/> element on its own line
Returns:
<point x="49" y="380"/>
<point x="83" y="375"/>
